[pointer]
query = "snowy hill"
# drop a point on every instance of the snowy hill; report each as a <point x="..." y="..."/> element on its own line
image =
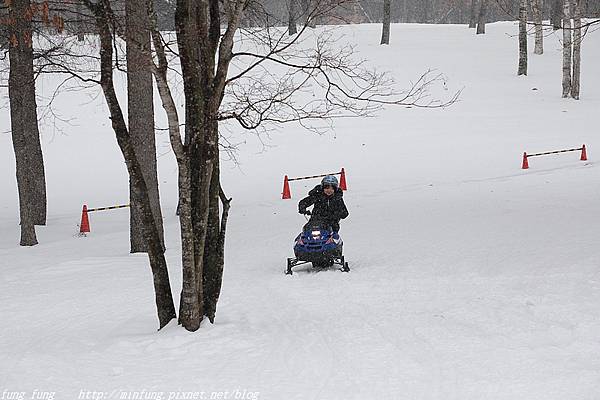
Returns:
<point x="471" y="278"/>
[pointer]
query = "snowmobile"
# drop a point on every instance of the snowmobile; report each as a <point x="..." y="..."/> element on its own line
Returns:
<point x="319" y="245"/>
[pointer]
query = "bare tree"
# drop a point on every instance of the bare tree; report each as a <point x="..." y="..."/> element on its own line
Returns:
<point x="385" y="34"/>
<point x="522" y="38"/>
<point x="106" y="26"/>
<point x="567" y="49"/>
<point x="24" y="122"/>
<point x="536" y="8"/>
<point x="292" y="28"/>
<point x="140" y="113"/>
<point x="556" y="13"/>
<point x="482" y="17"/>
<point x="577" y="6"/>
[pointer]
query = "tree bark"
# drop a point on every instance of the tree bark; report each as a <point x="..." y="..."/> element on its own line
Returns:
<point x="385" y="34"/>
<point x="567" y="55"/>
<point x="80" y="24"/>
<point x="189" y="308"/>
<point x="556" y="13"/>
<point x="292" y="28"/>
<point x="187" y="16"/>
<point x="522" y="38"/>
<point x="536" y="8"/>
<point x="31" y="179"/>
<point x="424" y="11"/>
<point x="482" y="17"/>
<point x="214" y="290"/>
<point x="158" y="264"/>
<point x="140" y="112"/>
<point x="472" y="20"/>
<point x="575" y="83"/>
<point x="212" y="273"/>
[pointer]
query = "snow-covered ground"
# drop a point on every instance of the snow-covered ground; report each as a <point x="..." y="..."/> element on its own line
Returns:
<point x="471" y="278"/>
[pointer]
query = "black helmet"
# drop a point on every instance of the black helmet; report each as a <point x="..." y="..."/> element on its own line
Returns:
<point x="330" y="180"/>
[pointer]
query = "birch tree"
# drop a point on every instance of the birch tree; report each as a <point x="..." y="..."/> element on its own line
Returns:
<point x="572" y="37"/>
<point x="577" y="7"/>
<point x="567" y="49"/>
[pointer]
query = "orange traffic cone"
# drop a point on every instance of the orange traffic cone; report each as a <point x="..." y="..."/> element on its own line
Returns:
<point x="286" y="189"/>
<point x="85" y="222"/>
<point x="343" y="185"/>
<point x="583" y="154"/>
<point x="525" y="162"/>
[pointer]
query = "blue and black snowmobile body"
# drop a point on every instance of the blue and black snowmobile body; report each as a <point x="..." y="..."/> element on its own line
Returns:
<point x="320" y="245"/>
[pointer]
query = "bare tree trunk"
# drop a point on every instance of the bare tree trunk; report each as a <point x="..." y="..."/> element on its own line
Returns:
<point x="292" y="28"/>
<point x="201" y="129"/>
<point x="556" y="13"/>
<point x="211" y="279"/>
<point x="158" y="264"/>
<point x="536" y="8"/>
<point x="575" y="84"/>
<point x="385" y="34"/>
<point x="567" y="55"/>
<point x="31" y="179"/>
<point x="80" y="25"/>
<point x="522" y="38"/>
<point x="482" y="17"/>
<point x="200" y="213"/>
<point x="198" y="162"/>
<point x="472" y="20"/>
<point x="424" y="11"/>
<point x="141" y="119"/>
<point x="189" y="309"/>
<point x="214" y="289"/>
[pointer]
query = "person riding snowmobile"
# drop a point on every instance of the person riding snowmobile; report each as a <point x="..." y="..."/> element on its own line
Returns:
<point x="328" y="202"/>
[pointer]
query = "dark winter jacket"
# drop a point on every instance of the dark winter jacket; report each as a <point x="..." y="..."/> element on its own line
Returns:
<point x="329" y="209"/>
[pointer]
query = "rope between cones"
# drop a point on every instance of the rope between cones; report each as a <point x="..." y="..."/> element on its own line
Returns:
<point x="583" y="157"/>
<point x="107" y="208"/>
<point x="84" y="227"/>
<point x="312" y="177"/>
<point x="286" y="194"/>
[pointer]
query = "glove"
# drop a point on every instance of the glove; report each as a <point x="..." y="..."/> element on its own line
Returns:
<point x="305" y="212"/>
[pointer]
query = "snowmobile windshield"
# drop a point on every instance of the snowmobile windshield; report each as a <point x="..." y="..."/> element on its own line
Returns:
<point x="317" y="225"/>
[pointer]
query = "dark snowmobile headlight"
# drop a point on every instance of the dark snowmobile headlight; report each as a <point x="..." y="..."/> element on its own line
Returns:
<point x="316" y="233"/>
